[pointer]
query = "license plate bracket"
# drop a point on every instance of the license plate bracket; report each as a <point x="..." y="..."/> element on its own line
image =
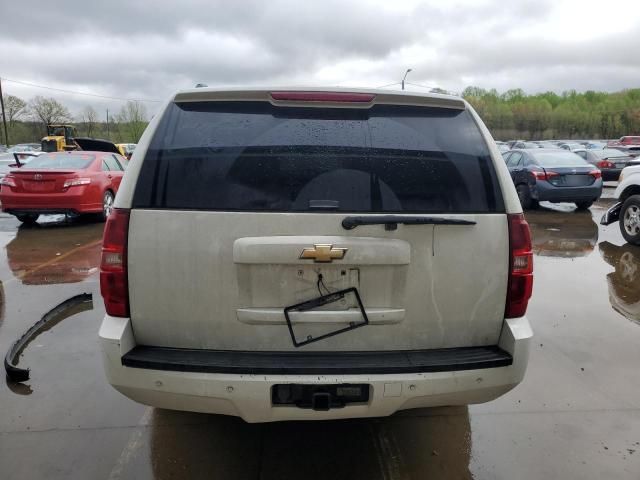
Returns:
<point x="321" y="301"/>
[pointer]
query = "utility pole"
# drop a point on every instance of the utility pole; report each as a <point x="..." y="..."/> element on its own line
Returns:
<point x="108" y="137"/>
<point x="405" y="77"/>
<point x="4" y="117"/>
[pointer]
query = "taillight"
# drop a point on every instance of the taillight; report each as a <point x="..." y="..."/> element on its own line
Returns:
<point x="113" y="267"/>
<point x="74" y="182"/>
<point x="520" y="284"/>
<point x="323" y="97"/>
<point x="543" y="175"/>
<point x="596" y="173"/>
<point x="8" y="181"/>
<point x="604" y="164"/>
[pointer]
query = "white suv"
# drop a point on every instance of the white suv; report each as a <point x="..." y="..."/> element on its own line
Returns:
<point x="626" y="211"/>
<point x="308" y="254"/>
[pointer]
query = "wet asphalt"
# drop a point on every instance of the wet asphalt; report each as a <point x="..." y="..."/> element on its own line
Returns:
<point x="576" y="415"/>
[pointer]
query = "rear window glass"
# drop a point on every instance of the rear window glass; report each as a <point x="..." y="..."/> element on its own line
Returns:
<point x="73" y="161"/>
<point x="253" y="156"/>
<point x="559" y="158"/>
<point x="609" y="153"/>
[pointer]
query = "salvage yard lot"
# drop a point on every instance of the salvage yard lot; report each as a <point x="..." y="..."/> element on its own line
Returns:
<point x="576" y="415"/>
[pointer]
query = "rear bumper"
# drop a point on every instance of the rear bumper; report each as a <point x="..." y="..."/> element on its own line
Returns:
<point x="544" y="191"/>
<point x="248" y="395"/>
<point x="64" y="202"/>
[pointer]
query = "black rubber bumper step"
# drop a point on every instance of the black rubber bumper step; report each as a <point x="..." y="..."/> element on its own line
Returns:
<point x="313" y="363"/>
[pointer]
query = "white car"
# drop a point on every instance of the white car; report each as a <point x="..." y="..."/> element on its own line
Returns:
<point x="305" y="254"/>
<point x="627" y="210"/>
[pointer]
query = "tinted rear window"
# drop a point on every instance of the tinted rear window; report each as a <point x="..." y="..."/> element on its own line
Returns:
<point x="53" y="161"/>
<point x="252" y="156"/>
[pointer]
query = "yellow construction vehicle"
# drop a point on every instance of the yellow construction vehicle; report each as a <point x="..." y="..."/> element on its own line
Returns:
<point x="59" y="139"/>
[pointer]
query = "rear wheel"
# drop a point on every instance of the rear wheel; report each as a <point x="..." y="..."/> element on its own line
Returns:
<point x="584" y="205"/>
<point x="107" y="204"/>
<point x="28" y="218"/>
<point x="524" y="194"/>
<point x="630" y="220"/>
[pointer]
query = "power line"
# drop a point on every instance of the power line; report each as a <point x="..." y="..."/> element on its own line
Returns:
<point x="79" y="93"/>
<point x="389" y="85"/>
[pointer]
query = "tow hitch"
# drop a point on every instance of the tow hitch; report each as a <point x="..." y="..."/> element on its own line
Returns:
<point x="320" y="398"/>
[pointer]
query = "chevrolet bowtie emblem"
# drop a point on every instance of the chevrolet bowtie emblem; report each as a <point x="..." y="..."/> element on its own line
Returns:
<point x="323" y="253"/>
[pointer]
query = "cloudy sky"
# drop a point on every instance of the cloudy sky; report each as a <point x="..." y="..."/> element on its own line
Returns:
<point x="146" y="50"/>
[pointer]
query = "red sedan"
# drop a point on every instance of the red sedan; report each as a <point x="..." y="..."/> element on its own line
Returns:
<point x="75" y="183"/>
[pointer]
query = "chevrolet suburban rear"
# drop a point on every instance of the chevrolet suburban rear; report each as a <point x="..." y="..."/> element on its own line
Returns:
<point x="303" y="254"/>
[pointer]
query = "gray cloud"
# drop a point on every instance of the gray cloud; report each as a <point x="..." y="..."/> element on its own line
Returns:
<point x="150" y="49"/>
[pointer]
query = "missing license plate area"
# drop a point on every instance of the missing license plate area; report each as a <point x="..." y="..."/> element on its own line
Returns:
<point x="303" y="333"/>
<point x="319" y="397"/>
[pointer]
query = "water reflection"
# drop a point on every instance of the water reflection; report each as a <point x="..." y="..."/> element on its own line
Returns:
<point x="624" y="282"/>
<point x="55" y="254"/>
<point x="560" y="234"/>
<point x="426" y="443"/>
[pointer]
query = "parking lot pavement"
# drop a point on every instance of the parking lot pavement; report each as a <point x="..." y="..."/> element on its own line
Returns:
<point x="576" y="415"/>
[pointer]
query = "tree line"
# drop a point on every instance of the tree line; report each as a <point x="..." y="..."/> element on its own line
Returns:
<point x="508" y="115"/>
<point x="27" y="120"/>
<point x="589" y="115"/>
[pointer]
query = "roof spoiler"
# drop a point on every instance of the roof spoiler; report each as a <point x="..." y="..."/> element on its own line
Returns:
<point x="380" y="97"/>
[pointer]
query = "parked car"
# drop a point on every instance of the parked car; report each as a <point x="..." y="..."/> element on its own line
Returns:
<point x="595" y="145"/>
<point x="548" y="144"/>
<point x="553" y="175"/>
<point x="609" y="161"/>
<point x="126" y="149"/>
<point x="633" y="150"/>
<point x="525" y="145"/>
<point x="571" y="146"/>
<point x="626" y="211"/>
<point x="19" y="148"/>
<point x="625" y="141"/>
<point x="279" y="258"/>
<point x="25" y="147"/>
<point x="503" y="147"/>
<point x="76" y="182"/>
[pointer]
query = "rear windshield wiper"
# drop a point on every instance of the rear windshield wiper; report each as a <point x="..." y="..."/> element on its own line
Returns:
<point x="391" y="222"/>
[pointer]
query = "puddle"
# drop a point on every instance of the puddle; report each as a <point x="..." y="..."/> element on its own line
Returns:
<point x="557" y="234"/>
<point x="68" y="308"/>
<point x="44" y="255"/>
<point x="624" y="282"/>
